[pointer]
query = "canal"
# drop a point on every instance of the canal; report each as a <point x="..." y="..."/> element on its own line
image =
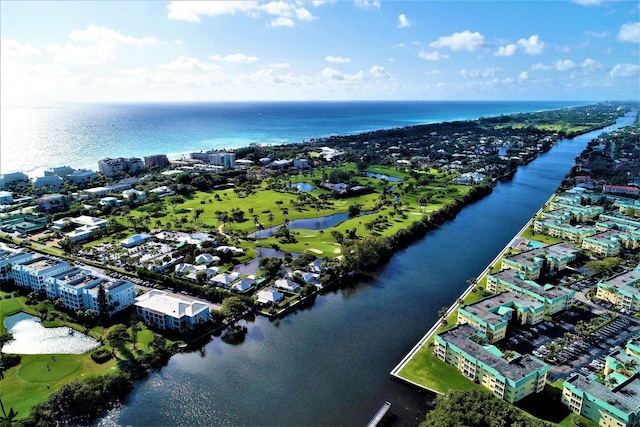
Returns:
<point x="329" y="364"/>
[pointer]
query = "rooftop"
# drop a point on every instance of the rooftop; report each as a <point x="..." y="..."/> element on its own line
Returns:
<point x="487" y="309"/>
<point x="170" y="304"/>
<point x="517" y="369"/>
<point x="624" y="397"/>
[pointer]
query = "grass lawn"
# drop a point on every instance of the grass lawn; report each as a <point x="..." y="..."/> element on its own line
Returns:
<point x="32" y="382"/>
<point x="431" y="372"/>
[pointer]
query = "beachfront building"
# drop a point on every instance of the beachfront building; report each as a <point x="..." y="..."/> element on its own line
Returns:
<point x="563" y="230"/>
<point x="509" y="379"/>
<point x="169" y="311"/>
<point x="618" y="406"/>
<point x="217" y="158"/>
<point x="540" y="261"/>
<point x="34" y="272"/>
<point x="53" y="181"/>
<point x="61" y="171"/>
<point x="79" y="288"/>
<point x="157" y="160"/>
<point x="110" y="166"/>
<point x="12" y="178"/>
<point x="493" y="315"/>
<point x="622" y="291"/>
<point x="82" y="176"/>
<point x="554" y="298"/>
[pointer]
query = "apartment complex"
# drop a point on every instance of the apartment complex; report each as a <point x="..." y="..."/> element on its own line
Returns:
<point x="169" y="311"/>
<point x="509" y="379"/>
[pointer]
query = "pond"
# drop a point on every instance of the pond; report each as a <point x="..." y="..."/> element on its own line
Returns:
<point x="319" y="223"/>
<point x="303" y="187"/>
<point x="252" y="266"/>
<point x="385" y="177"/>
<point x="30" y="337"/>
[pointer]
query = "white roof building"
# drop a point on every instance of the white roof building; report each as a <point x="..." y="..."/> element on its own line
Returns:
<point x="269" y="296"/>
<point x="166" y="310"/>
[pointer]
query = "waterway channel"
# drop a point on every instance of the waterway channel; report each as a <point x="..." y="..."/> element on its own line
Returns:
<point x="329" y="364"/>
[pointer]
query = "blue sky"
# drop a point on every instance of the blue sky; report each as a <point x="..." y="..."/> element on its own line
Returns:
<point x="83" y="51"/>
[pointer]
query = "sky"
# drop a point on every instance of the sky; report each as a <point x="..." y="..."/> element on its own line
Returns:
<point x="158" y="51"/>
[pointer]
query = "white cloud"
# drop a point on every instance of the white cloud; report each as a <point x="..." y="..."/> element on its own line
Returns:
<point x="465" y="40"/>
<point x="540" y="67"/>
<point x="625" y="70"/>
<point x="379" y="72"/>
<point x="474" y="74"/>
<point x="432" y="56"/>
<point x="591" y="64"/>
<point x="236" y="58"/>
<point x="630" y="33"/>
<point x="333" y="74"/>
<point x="507" y="50"/>
<point x="13" y="48"/>
<point x="280" y="65"/>
<point x="282" y="21"/>
<point x="191" y="11"/>
<point x="533" y="45"/>
<point x="596" y="35"/>
<point x="523" y="75"/>
<point x="187" y="63"/>
<point x="97" y="34"/>
<point x="82" y="55"/>
<point x="564" y="64"/>
<point x="367" y="4"/>
<point x="588" y="3"/>
<point x="283" y="11"/>
<point x="337" y="59"/>
<point x="403" y="21"/>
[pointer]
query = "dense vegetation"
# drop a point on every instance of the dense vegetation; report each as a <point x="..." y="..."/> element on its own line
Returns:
<point x="476" y="408"/>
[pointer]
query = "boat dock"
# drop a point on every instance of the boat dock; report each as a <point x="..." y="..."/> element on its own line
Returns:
<point x="379" y="415"/>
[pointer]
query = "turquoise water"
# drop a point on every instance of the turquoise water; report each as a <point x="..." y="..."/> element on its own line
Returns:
<point x="36" y="138"/>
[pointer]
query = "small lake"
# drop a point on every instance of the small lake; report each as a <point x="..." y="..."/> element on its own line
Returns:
<point x="30" y="337"/>
<point x="382" y="176"/>
<point x="252" y="266"/>
<point x="303" y="187"/>
<point x="319" y="223"/>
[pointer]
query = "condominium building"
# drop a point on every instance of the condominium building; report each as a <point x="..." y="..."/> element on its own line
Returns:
<point x="219" y="158"/>
<point x="608" y="407"/>
<point x="78" y="288"/>
<point x="61" y="171"/>
<point x="537" y="262"/>
<point x="605" y="244"/>
<point x="110" y="166"/>
<point x="563" y="230"/>
<point x="165" y="310"/>
<point x="157" y="160"/>
<point x="510" y="379"/>
<point x="11" y="178"/>
<point x="52" y="181"/>
<point x="622" y="290"/>
<point x="493" y="315"/>
<point x="554" y="298"/>
<point x="34" y="272"/>
<point x="9" y="258"/>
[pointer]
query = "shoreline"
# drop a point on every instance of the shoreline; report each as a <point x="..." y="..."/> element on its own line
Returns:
<point x="395" y="372"/>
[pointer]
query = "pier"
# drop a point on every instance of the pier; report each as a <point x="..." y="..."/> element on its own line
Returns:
<point x="377" y="418"/>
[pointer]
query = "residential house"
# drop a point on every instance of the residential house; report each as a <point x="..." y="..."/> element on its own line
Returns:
<point x="287" y="285"/>
<point x="268" y="296"/>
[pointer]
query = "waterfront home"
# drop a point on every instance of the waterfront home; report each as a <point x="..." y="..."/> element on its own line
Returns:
<point x="244" y="284"/>
<point x="225" y="280"/>
<point x="211" y="271"/>
<point x="315" y="266"/>
<point x="268" y="296"/>
<point x="509" y="379"/>
<point x="622" y="290"/>
<point x="166" y="310"/>
<point x="616" y="406"/>
<point x="81" y="176"/>
<point x="287" y="285"/>
<point x="53" y="181"/>
<point x="12" y="178"/>
<point x="305" y="276"/>
<point x="493" y="315"/>
<point x="554" y="298"/>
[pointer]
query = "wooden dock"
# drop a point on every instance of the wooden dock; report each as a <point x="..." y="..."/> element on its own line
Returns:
<point x="380" y="414"/>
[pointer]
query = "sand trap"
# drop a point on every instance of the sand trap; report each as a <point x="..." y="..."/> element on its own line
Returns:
<point x="337" y="251"/>
<point x="309" y="235"/>
<point x="315" y="251"/>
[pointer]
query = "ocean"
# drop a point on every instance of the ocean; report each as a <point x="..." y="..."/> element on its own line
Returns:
<point x="35" y="138"/>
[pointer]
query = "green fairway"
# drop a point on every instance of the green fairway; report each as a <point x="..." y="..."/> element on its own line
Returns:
<point x="46" y="370"/>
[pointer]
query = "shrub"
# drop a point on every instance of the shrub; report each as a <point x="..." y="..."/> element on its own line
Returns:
<point x="101" y="355"/>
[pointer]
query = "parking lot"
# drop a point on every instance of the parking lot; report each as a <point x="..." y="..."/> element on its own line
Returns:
<point x="577" y="354"/>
